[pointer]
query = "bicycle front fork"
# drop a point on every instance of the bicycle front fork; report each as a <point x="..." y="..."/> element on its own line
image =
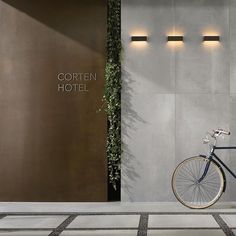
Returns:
<point x="205" y="171"/>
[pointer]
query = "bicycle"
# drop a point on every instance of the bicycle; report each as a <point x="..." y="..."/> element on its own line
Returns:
<point x="199" y="182"/>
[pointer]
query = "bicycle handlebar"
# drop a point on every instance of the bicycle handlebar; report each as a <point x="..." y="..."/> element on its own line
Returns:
<point x="215" y="134"/>
<point x="218" y="132"/>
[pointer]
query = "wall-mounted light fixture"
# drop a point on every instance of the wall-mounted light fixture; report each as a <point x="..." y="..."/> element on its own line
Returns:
<point x="175" y="38"/>
<point x="139" y="38"/>
<point x="211" y="38"/>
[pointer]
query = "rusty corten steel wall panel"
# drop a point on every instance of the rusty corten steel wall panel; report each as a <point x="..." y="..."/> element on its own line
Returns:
<point x="52" y="144"/>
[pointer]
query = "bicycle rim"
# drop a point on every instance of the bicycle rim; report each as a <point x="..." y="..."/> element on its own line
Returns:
<point x="189" y="191"/>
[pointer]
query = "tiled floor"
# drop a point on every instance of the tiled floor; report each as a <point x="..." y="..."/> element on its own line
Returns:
<point x="190" y="232"/>
<point x="32" y="222"/>
<point x="25" y="233"/>
<point x="174" y="222"/>
<point x="182" y="221"/>
<point x="230" y="220"/>
<point x="101" y="233"/>
<point x="107" y="221"/>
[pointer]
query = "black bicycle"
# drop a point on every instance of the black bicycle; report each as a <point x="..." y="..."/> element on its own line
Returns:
<point x="198" y="182"/>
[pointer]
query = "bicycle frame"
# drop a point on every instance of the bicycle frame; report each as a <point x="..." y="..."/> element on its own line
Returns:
<point x="214" y="157"/>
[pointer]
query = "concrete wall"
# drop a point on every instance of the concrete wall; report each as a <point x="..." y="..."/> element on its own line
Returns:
<point x="52" y="144"/>
<point x="171" y="94"/>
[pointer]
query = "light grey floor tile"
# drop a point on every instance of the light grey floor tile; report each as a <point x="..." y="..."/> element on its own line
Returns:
<point x="229" y="219"/>
<point x="25" y="233"/>
<point x="180" y="221"/>
<point x="101" y="233"/>
<point x="31" y="221"/>
<point x="185" y="233"/>
<point x="115" y="221"/>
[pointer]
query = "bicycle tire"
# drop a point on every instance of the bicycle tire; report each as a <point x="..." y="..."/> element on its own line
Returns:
<point x="211" y="188"/>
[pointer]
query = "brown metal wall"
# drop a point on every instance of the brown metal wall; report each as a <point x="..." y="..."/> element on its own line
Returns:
<point x="52" y="145"/>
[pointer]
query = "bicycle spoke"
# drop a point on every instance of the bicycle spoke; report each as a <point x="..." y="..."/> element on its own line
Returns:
<point x="194" y="192"/>
<point x="210" y="193"/>
<point x="189" y="172"/>
<point x="207" y="194"/>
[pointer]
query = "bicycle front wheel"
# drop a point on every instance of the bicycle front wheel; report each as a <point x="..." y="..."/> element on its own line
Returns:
<point x="187" y="188"/>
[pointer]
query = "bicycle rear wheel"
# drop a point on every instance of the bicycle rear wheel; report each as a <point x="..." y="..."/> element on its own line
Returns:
<point x="192" y="193"/>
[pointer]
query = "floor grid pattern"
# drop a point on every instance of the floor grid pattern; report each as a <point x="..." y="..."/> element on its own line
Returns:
<point x="118" y="223"/>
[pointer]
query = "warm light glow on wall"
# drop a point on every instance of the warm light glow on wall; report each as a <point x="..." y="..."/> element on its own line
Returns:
<point x="211" y="44"/>
<point x="139" y="44"/>
<point x="175" y="45"/>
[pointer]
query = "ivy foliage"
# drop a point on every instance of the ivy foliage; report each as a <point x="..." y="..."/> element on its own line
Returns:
<point x="112" y="93"/>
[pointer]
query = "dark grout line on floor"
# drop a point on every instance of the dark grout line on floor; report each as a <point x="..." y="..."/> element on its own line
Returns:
<point x="223" y="225"/>
<point x="62" y="226"/>
<point x="143" y="225"/>
<point x="142" y="228"/>
<point x="2" y="216"/>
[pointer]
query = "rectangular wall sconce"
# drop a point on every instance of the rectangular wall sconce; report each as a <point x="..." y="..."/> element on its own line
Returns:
<point x="139" y="38"/>
<point x="175" y="38"/>
<point x="211" y="38"/>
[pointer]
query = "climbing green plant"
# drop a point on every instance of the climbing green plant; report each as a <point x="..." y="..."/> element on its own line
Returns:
<point x="112" y="93"/>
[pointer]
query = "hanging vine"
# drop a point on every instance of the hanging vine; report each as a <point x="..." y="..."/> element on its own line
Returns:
<point x="112" y="93"/>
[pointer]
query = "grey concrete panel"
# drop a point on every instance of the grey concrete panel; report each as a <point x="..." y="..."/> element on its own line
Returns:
<point x="196" y="114"/>
<point x="232" y="180"/>
<point x="202" y="67"/>
<point x="232" y="28"/>
<point x="150" y="63"/>
<point x="149" y="148"/>
<point x="198" y="76"/>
